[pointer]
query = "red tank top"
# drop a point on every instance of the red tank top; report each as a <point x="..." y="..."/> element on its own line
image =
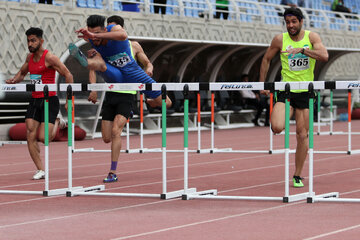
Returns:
<point x="40" y="74"/>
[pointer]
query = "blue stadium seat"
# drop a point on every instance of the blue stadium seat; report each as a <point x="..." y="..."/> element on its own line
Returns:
<point x="91" y="3"/>
<point x="98" y="4"/>
<point x="117" y="6"/>
<point x="170" y="8"/>
<point x="81" y="3"/>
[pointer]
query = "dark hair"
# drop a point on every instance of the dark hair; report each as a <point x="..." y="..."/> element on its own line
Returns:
<point x="95" y="21"/>
<point x="116" y="19"/>
<point x="294" y="12"/>
<point x="243" y="76"/>
<point x="38" y="32"/>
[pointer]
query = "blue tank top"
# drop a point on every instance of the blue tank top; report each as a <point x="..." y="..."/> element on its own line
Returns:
<point x="116" y="53"/>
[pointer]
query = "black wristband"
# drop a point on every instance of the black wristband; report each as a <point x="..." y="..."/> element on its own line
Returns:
<point x="303" y="51"/>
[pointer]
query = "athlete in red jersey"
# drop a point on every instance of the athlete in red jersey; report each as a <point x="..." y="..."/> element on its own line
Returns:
<point x="42" y="66"/>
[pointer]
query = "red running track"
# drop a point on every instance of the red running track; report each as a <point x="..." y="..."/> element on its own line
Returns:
<point x="89" y="217"/>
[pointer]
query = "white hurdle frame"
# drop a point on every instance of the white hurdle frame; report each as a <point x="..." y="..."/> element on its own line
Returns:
<point x="335" y="196"/>
<point x="212" y="194"/>
<point x="26" y="88"/>
<point x="96" y="190"/>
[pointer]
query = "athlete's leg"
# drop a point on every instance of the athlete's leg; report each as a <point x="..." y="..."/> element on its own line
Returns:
<point x="157" y="102"/>
<point x="118" y="125"/>
<point x="33" y="146"/>
<point x="106" y="127"/>
<point x="133" y="73"/>
<point x="42" y="132"/>
<point x="302" y="147"/>
<point x="278" y="117"/>
<point x="96" y="62"/>
<point x="111" y="74"/>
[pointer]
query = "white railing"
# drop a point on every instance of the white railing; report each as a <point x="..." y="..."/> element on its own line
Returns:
<point x="238" y="10"/>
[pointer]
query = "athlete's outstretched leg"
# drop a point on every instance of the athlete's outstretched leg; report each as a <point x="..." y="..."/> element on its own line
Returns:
<point x="96" y="62"/>
<point x="157" y="102"/>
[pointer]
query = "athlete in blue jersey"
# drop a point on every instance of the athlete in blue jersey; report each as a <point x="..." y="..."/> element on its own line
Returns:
<point x="113" y="61"/>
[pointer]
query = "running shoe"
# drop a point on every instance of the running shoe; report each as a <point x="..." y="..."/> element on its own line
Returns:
<point x="79" y="55"/>
<point x="111" y="177"/>
<point x="297" y="180"/>
<point x="40" y="174"/>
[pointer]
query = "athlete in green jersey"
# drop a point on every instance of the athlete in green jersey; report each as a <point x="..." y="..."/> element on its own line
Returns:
<point x="299" y="49"/>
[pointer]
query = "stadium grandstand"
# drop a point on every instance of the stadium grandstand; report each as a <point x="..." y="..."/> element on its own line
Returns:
<point x="187" y="44"/>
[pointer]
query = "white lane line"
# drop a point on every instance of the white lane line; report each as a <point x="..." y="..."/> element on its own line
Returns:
<point x="80" y="214"/>
<point x="333" y="232"/>
<point x="206" y="221"/>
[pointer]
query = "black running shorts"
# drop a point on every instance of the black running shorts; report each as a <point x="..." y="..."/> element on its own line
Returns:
<point x="35" y="109"/>
<point x="116" y="103"/>
<point x="297" y="100"/>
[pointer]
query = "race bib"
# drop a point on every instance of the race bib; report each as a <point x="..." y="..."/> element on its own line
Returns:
<point x="119" y="60"/>
<point x="35" y="79"/>
<point x="299" y="62"/>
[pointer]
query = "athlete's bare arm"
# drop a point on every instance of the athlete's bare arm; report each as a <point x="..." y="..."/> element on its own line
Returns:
<point x="319" y="52"/>
<point x="141" y="57"/>
<point x="52" y="61"/>
<point x="22" y="72"/>
<point x="275" y="47"/>
<point x="116" y="33"/>
<point x="93" y="94"/>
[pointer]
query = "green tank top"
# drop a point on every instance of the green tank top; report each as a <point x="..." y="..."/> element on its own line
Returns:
<point x="300" y="67"/>
<point x="128" y="92"/>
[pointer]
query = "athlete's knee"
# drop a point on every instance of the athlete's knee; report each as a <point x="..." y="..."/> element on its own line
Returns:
<point x="116" y="133"/>
<point x="276" y="129"/>
<point x="41" y="139"/>
<point x="168" y="102"/>
<point x="97" y="65"/>
<point x="106" y="139"/>
<point x="302" y="136"/>
<point x="31" y="135"/>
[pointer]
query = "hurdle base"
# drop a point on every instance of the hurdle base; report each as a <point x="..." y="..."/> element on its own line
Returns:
<point x="21" y="192"/>
<point x="188" y="195"/>
<point x="296" y="197"/>
<point x="57" y="192"/>
<point x="326" y="197"/>
<point x="281" y="151"/>
<point x="212" y="194"/>
<point x="216" y="197"/>
<point x="344" y="200"/>
<point x="78" y="190"/>
<point x="176" y="194"/>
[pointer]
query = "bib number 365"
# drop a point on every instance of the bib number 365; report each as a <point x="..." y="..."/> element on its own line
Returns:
<point x="298" y="64"/>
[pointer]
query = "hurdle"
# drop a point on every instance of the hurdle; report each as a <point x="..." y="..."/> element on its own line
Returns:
<point x="335" y="196"/>
<point x="45" y="88"/>
<point x="333" y="86"/>
<point x="343" y="85"/>
<point x="97" y="190"/>
<point x="287" y="197"/>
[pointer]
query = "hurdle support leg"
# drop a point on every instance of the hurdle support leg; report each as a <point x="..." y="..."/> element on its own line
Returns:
<point x="312" y="197"/>
<point x="70" y="190"/>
